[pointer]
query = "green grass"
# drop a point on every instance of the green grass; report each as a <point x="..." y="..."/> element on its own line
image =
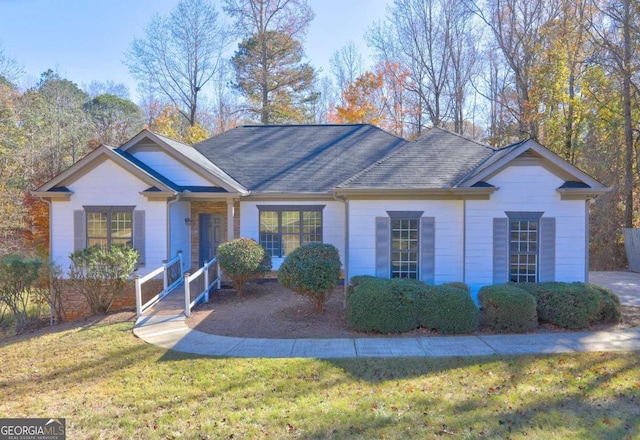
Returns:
<point x="108" y="384"/>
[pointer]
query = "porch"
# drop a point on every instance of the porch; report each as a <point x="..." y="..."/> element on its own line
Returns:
<point x="210" y="223"/>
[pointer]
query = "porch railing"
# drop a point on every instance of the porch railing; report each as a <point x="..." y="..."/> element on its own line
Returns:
<point x="171" y="272"/>
<point x="198" y="284"/>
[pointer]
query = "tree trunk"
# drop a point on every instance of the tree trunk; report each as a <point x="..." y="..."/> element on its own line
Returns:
<point x="628" y="129"/>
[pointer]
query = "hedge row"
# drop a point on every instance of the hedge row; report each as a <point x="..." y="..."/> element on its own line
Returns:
<point x="574" y="305"/>
<point x="399" y="305"/>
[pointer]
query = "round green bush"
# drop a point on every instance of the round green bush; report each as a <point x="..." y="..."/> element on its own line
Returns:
<point x="449" y="310"/>
<point x="383" y="306"/>
<point x="508" y="309"/>
<point x="243" y="259"/>
<point x="356" y="281"/>
<point x="569" y="305"/>
<point x="312" y="271"/>
<point x="610" y="307"/>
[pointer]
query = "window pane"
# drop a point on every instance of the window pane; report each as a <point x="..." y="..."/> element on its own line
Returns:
<point x="97" y="225"/>
<point x="291" y="222"/>
<point x="289" y="243"/>
<point x="404" y="248"/>
<point x="121" y="228"/>
<point x="269" y="236"/>
<point x="311" y="227"/>
<point x="269" y="222"/>
<point x="523" y="247"/>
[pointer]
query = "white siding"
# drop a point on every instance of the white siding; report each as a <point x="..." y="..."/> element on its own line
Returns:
<point x="525" y="188"/>
<point x="180" y="232"/>
<point x="170" y="168"/>
<point x="108" y="184"/>
<point x="448" y="234"/>
<point x="332" y="223"/>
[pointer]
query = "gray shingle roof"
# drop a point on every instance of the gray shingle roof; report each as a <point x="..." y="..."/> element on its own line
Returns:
<point x="297" y="158"/>
<point x="438" y="159"/>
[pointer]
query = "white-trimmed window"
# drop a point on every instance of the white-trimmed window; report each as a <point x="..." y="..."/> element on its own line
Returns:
<point x="524" y="239"/>
<point x="284" y="228"/>
<point x="109" y="225"/>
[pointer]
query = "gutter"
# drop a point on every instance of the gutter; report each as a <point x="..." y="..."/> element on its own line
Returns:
<point x="345" y="200"/>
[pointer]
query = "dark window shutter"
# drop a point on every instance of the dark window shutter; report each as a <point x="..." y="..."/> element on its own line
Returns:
<point x="383" y="247"/>
<point x="547" y="265"/>
<point x="79" y="230"/>
<point x="139" y="235"/>
<point x="500" y="250"/>
<point x="427" y="249"/>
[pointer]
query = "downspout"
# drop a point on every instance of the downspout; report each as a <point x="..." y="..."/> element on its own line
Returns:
<point x="464" y="241"/>
<point x="51" y="318"/>
<point x="346" y="243"/>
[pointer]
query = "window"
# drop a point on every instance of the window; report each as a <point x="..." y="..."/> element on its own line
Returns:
<point x="284" y="228"/>
<point x="404" y="248"/>
<point x="109" y="225"/>
<point x="523" y="247"/>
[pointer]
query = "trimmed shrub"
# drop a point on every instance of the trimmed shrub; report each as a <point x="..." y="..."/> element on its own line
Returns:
<point x="572" y="306"/>
<point x="610" y="307"/>
<point x="508" y="309"/>
<point x="357" y="281"/>
<point x="311" y="271"/>
<point x="383" y="306"/>
<point x="242" y="260"/>
<point x="447" y="309"/>
<point x="541" y="293"/>
<point x="19" y="276"/>
<point x="100" y="275"/>
<point x="458" y="285"/>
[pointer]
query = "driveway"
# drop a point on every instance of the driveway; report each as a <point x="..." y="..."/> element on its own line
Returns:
<point x="625" y="284"/>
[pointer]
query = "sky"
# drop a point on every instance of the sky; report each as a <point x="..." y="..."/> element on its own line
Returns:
<point x="85" y="40"/>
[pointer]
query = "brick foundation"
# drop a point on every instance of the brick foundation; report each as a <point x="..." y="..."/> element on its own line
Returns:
<point x="76" y="307"/>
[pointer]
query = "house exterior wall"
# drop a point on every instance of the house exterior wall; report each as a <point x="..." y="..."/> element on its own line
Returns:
<point x="170" y="168"/>
<point x="526" y="189"/>
<point x="108" y="184"/>
<point x="333" y="222"/>
<point x="448" y="234"/>
<point x="179" y="232"/>
<point x="209" y="207"/>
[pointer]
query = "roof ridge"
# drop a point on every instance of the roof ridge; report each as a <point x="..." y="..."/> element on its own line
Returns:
<point x="468" y="139"/>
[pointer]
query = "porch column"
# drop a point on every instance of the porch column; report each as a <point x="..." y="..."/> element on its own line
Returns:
<point x="230" y="216"/>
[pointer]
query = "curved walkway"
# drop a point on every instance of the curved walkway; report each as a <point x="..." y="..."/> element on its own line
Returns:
<point x="171" y="332"/>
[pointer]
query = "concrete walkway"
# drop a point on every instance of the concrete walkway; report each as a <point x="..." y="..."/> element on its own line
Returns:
<point x="166" y="327"/>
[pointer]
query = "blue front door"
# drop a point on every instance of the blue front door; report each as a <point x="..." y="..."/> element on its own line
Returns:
<point x="211" y="234"/>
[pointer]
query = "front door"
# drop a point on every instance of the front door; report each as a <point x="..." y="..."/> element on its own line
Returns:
<point x="211" y="235"/>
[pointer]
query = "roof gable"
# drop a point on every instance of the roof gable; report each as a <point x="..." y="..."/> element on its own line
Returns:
<point x="297" y="158"/>
<point x="530" y="149"/>
<point x="90" y="161"/>
<point x="187" y="156"/>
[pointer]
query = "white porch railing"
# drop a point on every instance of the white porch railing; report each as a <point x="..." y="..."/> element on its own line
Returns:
<point x="198" y="284"/>
<point x="171" y="278"/>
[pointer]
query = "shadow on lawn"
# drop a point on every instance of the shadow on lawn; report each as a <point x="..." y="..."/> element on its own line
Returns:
<point x="588" y="395"/>
<point x="583" y="392"/>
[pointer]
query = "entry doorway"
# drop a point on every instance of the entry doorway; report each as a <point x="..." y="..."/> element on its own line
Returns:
<point x="212" y="233"/>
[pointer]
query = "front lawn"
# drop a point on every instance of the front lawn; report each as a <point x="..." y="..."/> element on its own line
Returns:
<point x="108" y="384"/>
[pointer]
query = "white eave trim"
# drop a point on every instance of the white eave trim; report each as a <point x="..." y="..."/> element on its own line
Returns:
<point x="581" y="193"/>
